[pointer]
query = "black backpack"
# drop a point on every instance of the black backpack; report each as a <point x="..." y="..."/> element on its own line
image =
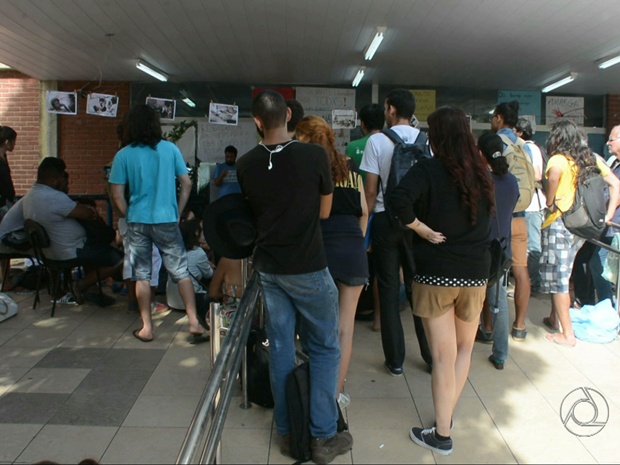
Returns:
<point x="586" y="217"/>
<point x="298" y="403"/>
<point x="259" y="386"/>
<point x="403" y="158"/>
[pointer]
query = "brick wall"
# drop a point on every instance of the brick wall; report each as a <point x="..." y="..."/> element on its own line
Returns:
<point x="19" y="109"/>
<point x="87" y="143"/>
<point x="613" y="111"/>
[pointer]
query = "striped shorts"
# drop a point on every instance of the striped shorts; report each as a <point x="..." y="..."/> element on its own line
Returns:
<point x="559" y="248"/>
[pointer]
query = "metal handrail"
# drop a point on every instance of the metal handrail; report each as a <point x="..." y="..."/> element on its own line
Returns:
<point x="205" y="429"/>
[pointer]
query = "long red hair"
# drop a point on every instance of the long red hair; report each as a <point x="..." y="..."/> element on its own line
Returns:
<point x="315" y="129"/>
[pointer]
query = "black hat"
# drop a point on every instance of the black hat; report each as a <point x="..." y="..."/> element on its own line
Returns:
<point x="228" y="226"/>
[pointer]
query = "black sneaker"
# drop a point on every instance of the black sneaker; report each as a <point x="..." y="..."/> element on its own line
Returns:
<point x="393" y="371"/>
<point x="427" y="439"/>
<point x="326" y="450"/>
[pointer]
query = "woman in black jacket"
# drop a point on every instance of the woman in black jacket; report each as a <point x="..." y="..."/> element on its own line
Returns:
<point x="448" y="201"/>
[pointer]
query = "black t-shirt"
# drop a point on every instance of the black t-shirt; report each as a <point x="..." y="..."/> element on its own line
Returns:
<point x="286" y="202"/>
<point x="427" y="192"/>
<point x="7" y="191"/>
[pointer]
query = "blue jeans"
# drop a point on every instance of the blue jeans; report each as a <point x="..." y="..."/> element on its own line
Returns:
<point x="499" y="318"/>
<point x="313" y="299"/>
<point x="597" y="262"/>
<point x="534" y="222"/>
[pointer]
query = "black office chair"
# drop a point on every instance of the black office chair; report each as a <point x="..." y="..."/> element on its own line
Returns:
<point x="56" y="269"/>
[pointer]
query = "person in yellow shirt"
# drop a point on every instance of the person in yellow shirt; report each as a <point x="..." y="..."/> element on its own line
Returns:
<point x="571" y="159"/>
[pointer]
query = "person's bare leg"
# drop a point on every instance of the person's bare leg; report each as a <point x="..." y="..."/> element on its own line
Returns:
<point x="143" y="294"/>
<point x="561" y="304"/>
<point x="465" y="338"/>
<point x="186" y="291"/>
<point x="441" y="335"/>
<point x="347" y="301"/>
<point x="522" y="295"/>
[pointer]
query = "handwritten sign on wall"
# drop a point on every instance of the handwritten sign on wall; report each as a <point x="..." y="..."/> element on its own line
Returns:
<point x="564" y="107"/>
<point x="214" y="138"/>
<point x="529" y="102"/>
<point x="321" y="101"/>
<point x="425" y="103"/>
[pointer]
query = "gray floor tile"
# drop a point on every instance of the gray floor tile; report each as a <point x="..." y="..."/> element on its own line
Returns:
<point x="19" y="357"/>
<point x="145" y="445"/>
<point x="64" y="357"/>
<point x="19" y="407"/>
<point x="107" y="380"/>
<point x="50" y="380"/>
<point x="68" y="444"/>
<point x="15" y="438"/>
<point x="93" y="408"/>
<point x="162" y="411"/>
<point x="9" y="376"/>
<point x="131" y="359"/>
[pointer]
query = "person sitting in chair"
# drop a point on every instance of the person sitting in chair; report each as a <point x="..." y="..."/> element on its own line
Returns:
<point x="48" y="204"/>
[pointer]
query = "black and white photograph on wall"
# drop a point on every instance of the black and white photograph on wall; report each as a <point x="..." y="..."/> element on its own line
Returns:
<point x="167" y="108"/>
<point x="102" y="105"/>
<point x="63" y="103"/>
<point x="343" y="119"/>
<point x="220" y="113"/>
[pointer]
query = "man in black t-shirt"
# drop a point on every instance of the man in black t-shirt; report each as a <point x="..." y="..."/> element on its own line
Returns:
<point x="289" y="186"/>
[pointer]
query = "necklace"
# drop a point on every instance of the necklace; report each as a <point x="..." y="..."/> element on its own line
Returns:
<point x="278" y="148"/>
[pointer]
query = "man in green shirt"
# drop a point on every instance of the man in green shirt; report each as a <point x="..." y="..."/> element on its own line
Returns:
<point x="372" y="120"/>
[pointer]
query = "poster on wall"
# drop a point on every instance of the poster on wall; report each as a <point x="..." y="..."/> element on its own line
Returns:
<point x="220" y="113"/>
<point x="564" y="107"/>
<point x="321" y="101"/>
<point x="529" y="102"/>
<point x="425" y="103"/>
<point x="167" y="108"/>
<point x="102" y="105"/>
<point x="63" y="103"/>
<point x="343" y="119"/>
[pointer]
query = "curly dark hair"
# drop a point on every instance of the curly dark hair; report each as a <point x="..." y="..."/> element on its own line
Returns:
<point x="566" y="139"/>
<point x="453" y="144"/>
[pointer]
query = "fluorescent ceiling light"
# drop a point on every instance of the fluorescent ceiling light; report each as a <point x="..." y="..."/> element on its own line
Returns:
<point x="374" y="45"/>
<point x="189" y="102"/>
<point x="148" y="69"/>
<point x="358" y="76"/>
<point x="559" y="83"/>
<point x="607" y="63"/>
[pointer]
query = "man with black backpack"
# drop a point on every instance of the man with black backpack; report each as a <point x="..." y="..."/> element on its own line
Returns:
<point x="392" y="245"/>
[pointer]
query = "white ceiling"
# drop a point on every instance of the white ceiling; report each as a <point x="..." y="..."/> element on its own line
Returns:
<point x="483" y="44"/>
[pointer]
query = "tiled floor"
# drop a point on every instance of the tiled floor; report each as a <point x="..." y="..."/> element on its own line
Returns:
<point x="79" y="385"/>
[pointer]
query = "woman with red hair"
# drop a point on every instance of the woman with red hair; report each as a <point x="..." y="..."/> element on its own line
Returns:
<point x="343" y="236"/>
<point x="448" y="201"/>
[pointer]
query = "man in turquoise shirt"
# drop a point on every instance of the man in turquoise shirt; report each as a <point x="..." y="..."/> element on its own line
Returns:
<point x="150" y="166"/>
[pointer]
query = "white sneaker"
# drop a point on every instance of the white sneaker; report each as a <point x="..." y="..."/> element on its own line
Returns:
<point x="343" y="400"/>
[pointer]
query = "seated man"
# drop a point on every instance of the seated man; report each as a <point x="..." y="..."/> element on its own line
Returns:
<point x="48" y="204"/>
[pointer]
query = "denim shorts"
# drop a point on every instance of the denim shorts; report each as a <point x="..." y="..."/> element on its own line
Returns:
<point x="167" y="237"/>
<point x="100" y="254"/>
